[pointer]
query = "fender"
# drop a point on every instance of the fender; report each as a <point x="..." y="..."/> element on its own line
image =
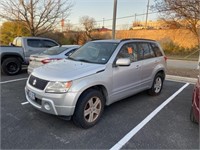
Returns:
<point x="11" y="54"/>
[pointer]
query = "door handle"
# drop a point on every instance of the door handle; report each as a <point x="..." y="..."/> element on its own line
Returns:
<point x="138" y="66"/>
<point x="156" y="61"/>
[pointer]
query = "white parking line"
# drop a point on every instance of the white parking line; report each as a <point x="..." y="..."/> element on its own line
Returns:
<point x="24" y="103"/>
<point x="3" y="82"/>
<point x="129" y="135"/>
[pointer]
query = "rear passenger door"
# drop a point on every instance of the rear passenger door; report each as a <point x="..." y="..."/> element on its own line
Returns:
<point x="148" y="61"/>
<point x="34" y="46"/>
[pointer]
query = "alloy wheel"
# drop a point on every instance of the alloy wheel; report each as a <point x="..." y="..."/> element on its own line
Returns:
<point x="92" y="109"/>
<point x="158" y="84"/>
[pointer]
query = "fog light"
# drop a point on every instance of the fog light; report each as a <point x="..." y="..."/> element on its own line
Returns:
<point x="47" y="106"/>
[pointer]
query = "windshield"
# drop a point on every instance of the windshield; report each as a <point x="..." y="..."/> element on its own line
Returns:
<point x="54" y="50"/>
<point x="94" y="52"/>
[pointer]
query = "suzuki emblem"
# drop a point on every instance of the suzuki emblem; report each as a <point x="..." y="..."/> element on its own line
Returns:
<point x="34" y="82"/>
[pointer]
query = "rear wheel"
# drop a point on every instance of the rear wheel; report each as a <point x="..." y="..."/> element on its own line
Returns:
<point x="157" y="85"/>
<point x="11" y="66"/>
<point x="89" y="109"/>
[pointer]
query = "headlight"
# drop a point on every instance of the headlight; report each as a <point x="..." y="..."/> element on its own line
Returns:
<point x="58" y="87"/>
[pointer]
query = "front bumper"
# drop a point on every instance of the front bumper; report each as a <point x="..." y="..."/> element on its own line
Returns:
<point x="56" y="104"/>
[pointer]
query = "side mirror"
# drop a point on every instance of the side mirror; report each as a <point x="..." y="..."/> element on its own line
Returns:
<point x="123" y="62"/>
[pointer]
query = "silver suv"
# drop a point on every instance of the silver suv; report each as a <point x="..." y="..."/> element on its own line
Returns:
<point x="99" y="73"/>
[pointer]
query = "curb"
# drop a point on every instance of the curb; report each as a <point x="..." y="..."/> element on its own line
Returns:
<point x="181" y="79"/>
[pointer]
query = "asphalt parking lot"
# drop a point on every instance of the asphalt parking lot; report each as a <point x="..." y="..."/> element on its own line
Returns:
<point x="24" y="127"/>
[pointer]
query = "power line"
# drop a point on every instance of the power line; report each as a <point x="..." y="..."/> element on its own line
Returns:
<point x="125" y="17"/>
<point x="131" y="16"/>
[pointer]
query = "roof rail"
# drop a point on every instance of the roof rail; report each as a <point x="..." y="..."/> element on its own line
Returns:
<point x="135" y="39"/>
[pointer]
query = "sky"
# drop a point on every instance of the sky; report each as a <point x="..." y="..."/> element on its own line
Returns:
<point x="99" y="9"/>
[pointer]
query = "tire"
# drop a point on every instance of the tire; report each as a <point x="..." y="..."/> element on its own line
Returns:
<point x="192" y="118"/>
<point x="11" y="66"/>
<point x="87" y="113"/>
<point x="157" y="85"/>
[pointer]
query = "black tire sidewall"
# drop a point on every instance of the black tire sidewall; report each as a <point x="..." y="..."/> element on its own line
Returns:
<point x="11" y="60"/>
<point x="78" y="117"/>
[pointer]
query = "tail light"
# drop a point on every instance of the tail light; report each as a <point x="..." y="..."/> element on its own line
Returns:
<point x="45" y="61"/>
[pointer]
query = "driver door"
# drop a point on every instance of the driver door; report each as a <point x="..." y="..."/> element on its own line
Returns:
<point x="126" y="79"/>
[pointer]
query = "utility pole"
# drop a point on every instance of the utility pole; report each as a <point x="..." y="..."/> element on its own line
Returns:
<point x="114" y="19"/>
<point x="147" y="15"/>
<point x="62" y="23"/>
<point x="103" y="23"/>
<point x="135" y="17"/>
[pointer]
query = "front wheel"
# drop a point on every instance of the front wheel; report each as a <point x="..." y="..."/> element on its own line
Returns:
<point x="157" y="85"/>
<point x="89" y="109"/>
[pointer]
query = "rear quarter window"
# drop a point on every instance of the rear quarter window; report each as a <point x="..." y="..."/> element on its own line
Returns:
<point x="156" y="49"/>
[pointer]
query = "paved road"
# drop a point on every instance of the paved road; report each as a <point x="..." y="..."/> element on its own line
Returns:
<point x="182" y="64"/>
<point x="24" y="127"/>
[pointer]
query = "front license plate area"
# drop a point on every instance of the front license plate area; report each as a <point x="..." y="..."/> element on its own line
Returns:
<point x="31" y="95"/>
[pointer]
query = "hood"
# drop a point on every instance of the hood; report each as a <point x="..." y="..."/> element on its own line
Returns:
<point x="66" y="70"/>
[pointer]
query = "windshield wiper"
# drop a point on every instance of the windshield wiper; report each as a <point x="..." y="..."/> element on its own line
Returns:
<point x="84" y="60"/>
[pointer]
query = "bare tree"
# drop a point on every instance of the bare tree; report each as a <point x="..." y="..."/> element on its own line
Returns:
<point x="77" y="35"/>
<point x="88" y="24"/>
<point x="40" y="16"/>
<point x="181" y="11"/>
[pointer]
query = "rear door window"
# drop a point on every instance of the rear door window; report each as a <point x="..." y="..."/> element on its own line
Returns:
<point x="145" y="51"/>
<point x="48" y="43"/>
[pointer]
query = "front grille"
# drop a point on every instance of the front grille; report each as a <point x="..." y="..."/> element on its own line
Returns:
<point x="37" y="82"/>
